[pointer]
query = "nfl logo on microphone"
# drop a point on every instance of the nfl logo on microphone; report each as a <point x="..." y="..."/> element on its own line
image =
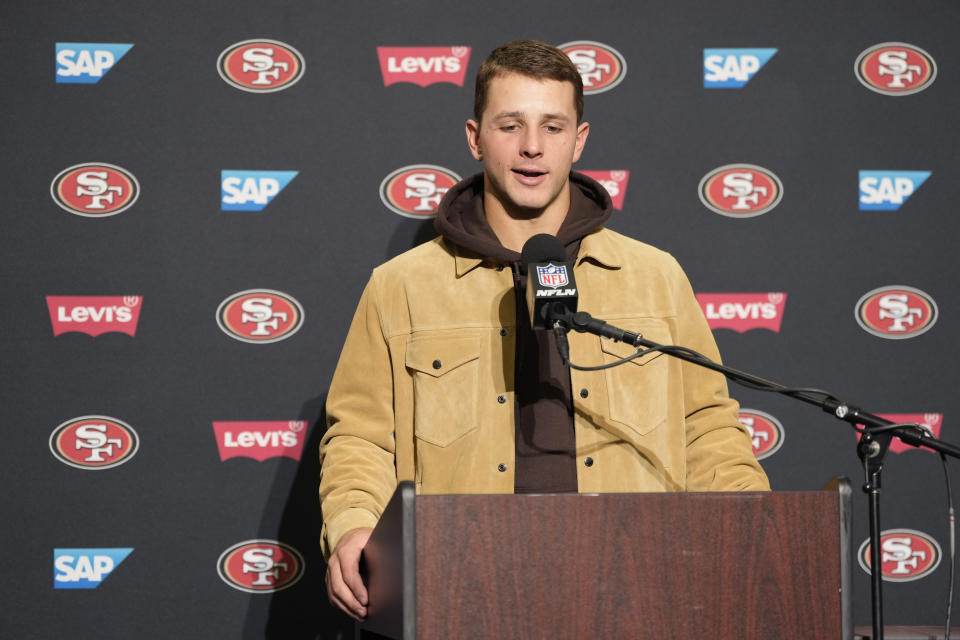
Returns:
<point x="552" y="275"/>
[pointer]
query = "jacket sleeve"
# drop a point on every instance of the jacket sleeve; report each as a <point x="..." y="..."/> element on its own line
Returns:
<point x="719" y="451"/>
<point x="358" y="470"/>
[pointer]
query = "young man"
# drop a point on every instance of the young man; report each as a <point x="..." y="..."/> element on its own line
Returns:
<point x="443" y="382"/>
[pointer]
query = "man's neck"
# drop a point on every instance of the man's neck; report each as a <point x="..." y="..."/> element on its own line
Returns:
<point x="514" y="229"/>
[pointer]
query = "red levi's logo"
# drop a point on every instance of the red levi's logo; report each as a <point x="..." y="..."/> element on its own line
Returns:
<point x="615" y="182"/>
<point x="94" y="315"/>
<point x="766" y="432"/>
<point x="260" y="316"/>
<point x="260" y="66"/>
<point x="905" y="555"/>
<point x="423" y="65"/>
<point x="896" y="312"/>
<point x="260" y="440"/>
<point x="260" y="566"/>
<point x="743" y="311"/>
<point x="94" y="442"/>
<point x="601" y="66"/>
<point x="415" y="191"/>
<point x="931" y="420"/>
<point x="95" y="189"/>
<point x="895" y="68"/>
<point x="740" y="190"/>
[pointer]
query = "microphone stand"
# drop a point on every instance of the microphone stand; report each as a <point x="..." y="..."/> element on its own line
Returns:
<point x="872" y="448"/>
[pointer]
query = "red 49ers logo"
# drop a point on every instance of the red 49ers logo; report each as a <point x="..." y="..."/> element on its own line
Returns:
<point x="895" y="68"/>
<point x="905" y="555"/>
<point x="601" y="66"/>
<point x="260" y="316"/>
<point x="415" y="191"/>
<point x="260" y="66"/>
<point x="766" y="432"/>
<point x="896" y="312"/>
<point x="740" y="190"/>
<point x="94" y="442"/>
<point x="260" y="566"/>
<point x="95" y="189"/>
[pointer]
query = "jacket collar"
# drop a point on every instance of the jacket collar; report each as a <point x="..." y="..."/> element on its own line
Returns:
<point x="597" y="247"/>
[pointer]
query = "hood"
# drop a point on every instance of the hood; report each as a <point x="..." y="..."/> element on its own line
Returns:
<point x="460" y="217"/>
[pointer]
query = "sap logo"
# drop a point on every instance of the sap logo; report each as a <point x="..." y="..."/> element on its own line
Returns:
<point x="732" y="68"/>
<point x="887" y="190"/>
<point x="251" y="190"/>
<point x="85" y="568"/>
<point x="87" y="62"/>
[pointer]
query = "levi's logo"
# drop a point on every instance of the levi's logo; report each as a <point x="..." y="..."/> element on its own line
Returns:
<point x="933" y="421"/>
<point x="615" y="182"/>
<point x="260" y="440"/>
<point x="423" y="65"/>
<point x="743" y="311"/>
<point x="94" y="315"/>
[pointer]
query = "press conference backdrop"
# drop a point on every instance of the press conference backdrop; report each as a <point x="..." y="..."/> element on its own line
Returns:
<point x="195" y="195"/>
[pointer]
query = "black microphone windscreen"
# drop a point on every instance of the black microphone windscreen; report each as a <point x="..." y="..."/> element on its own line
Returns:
<point x="543" y="247"/>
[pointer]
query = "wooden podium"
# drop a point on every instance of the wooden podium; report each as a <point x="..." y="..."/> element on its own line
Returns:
<point x="668" y="565"/>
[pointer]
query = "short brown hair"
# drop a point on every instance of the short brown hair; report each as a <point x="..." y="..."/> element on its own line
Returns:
<point x="529" y="58"/>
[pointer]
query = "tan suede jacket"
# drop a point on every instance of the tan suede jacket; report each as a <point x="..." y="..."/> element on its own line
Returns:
<point x="424" y="387"/>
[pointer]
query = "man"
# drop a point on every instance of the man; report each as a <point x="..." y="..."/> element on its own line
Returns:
<point x="443" y="382"/>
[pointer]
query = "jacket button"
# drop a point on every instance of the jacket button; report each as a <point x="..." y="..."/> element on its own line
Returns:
<point x="503" y="332"/>
<point x="501" y="467"/>
<point x="588" y="462"/>
<point x="437" y="364"/>
<point x="583" y="392"/>
<point x="501" y="399"/>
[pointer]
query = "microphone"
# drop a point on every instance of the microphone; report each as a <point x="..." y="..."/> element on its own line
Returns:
<point x="551" y="288"/>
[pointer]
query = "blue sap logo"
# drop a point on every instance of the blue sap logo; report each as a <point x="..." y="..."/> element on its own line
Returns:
<point x="85" y="568"/>
<point x="887" y="190"/>
<point x="251" y="190"/>
<point x="732" y="68"/>
<point x="87" y="62"/>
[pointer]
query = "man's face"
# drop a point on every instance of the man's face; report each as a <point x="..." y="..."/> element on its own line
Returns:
<point x="527" y="140"/>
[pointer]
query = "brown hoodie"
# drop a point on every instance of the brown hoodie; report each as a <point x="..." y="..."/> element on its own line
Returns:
<point x="543" y="414"/>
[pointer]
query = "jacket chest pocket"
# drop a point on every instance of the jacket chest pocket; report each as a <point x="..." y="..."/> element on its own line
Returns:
<point x="445" y="373"/>
<point x="637" y="391"/>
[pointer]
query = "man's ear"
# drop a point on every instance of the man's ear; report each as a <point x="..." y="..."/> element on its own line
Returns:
<point x="473" y="139"/>
<point x="582" y="132"/>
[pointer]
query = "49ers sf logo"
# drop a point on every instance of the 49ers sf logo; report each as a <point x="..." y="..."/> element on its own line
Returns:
<point x="260" y="566"/>
<point x="895" y="68"/>
<point x="94" y="442"/>
<point x="601" y="66"/>
<point x="896" y="312"/>
<point x="260" y="66"/>
<point x="905" y="555"/>
<point x="740" y="190"/>
<point x="95" y="189"/>
<point x="260" y="316"/>
<point x="415" y="191"/>
<point x="766" y="432"/>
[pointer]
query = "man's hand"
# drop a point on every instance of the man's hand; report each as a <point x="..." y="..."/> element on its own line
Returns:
<point x="344" y="586"/>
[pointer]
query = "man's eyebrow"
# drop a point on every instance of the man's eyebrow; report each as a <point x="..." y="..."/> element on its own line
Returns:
<point x="520" y="114"/>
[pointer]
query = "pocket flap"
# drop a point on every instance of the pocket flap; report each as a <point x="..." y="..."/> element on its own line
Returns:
<point x="436" y="355"/>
